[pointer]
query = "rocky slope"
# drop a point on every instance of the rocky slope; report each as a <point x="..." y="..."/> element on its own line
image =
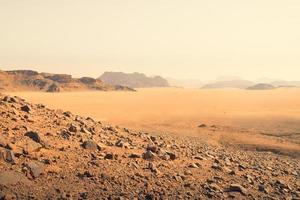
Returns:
<point x="55" y="154"/>
<point x="34" y="81"/>
<point x="133" y="80"/>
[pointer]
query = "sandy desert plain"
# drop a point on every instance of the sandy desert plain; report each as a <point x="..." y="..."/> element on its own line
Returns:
<point x="266" y="120"/>
<point x="158" y="143"/>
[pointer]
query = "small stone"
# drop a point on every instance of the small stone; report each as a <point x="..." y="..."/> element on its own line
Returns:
<point x="172" y="155"/>
<point x="9" y="156"/>
<point x="148" y="155"/>
<point x="263" y="188"/>
<point x="109" y="156"/>
<point x="26" y="108"/>
<point x="237" y="188"/>
<point x="9" y="99"/>
<point x="153" y="168"/>
<point x="188" y="172"/>
<point x="73" y="128"/>
<point x="67" y="114"/>
<point x="121" y="143"/>
<point x="84" y="130"/>
<point x="194" y="165"/>
<point x="133" y="155"/>
<point x="202" y="126"/>
<point x="178" y="178"/>
<point x="199" y="158"/>
<point x="90" y="145"/>
<point x="216" y="166"/>
<point x="214" y="187"/>
<point x="153" y="138"/>
<point x="152" y="148"/>
<point x="227" y="162"/>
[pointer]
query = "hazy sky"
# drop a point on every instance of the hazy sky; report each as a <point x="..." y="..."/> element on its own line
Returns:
<point x="175" y="38"/>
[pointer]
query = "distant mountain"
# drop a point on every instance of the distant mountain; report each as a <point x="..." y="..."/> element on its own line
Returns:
<point x="286" y="83"/>
<point x="261" y="86"/>
<point x="19" y="80"/>
<point x="133" y="80"/>
<point x="239" y="83"/>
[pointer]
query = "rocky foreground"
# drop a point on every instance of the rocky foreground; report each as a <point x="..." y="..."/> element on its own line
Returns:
<point x="52" y="154"/>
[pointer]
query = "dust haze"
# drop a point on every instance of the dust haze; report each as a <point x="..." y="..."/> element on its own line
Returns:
<point x="149" y="100"/>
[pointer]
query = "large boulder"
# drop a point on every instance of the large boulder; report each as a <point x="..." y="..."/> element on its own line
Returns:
<point x="53" y="88"/>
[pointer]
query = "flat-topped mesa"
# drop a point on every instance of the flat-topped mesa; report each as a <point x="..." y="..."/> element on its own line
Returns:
<point x="133" y="80"/>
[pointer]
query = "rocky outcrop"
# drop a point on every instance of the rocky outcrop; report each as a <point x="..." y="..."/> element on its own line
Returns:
<point x="87" y="80"/>
<point x="53" y="88"/>
<point x="60" y="78"/>
<point x="34" y="81"/>
<point x="133" y="80"/>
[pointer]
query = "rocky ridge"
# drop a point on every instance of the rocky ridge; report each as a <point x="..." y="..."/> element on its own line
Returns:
<point x="33" y="81"/>
<point x="55" y="154"/>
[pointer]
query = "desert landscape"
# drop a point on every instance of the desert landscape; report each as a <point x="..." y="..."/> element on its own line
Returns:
<point x="220" y="143"/>
<point x="149" y="100"/>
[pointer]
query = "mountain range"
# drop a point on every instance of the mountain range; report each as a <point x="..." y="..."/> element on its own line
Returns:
<point x="20" y="80"/>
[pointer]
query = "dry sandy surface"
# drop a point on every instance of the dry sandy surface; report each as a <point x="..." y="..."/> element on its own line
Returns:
<point x="260" y="120"/>
<point x="53" y="154"/>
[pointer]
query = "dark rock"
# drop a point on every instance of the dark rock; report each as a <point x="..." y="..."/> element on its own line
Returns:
<point x="238" y="188"/>
<point x="153" y="138"/>
<point x="120" y="143"/>
<point x="53" y="88"/>
<point x="67" y="114"/>
<point x="263" y="188"/>
<point x="133" y="155"/>
<point x="172" y="155"/>
<point x="90" y="145"/>
<point x="73" y="128"/>
<point x="152" y="148"/>
<point x="109" y="156"/>
<point x="26" y="108"/>
<point x="9" y="99"/>
<point x="34" y="136"/>
<point x="65" y="134"/>
<point x="148" y="155"/>
<point x="202" y="126"/>
<point x="9" y="156"/>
